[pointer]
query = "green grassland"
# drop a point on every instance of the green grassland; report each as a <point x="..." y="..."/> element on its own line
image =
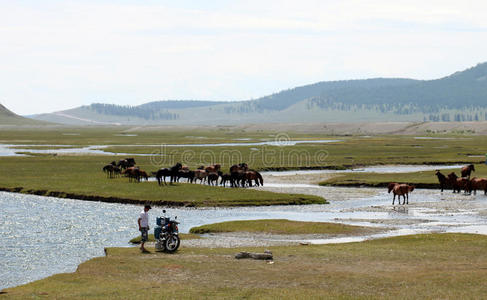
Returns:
<point x="433" y="266"/>
<point x="352" y="151"/>
<point x="81" y="177"/>
<point x="124" y="135"/>
<point x="282" y="227"/>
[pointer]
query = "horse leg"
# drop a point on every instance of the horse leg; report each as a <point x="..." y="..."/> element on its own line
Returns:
<point x="394" y="199"/>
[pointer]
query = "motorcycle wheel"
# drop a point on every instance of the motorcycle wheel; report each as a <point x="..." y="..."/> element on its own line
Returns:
<point x="172" y="243"/>
<point x="160" y="245"/>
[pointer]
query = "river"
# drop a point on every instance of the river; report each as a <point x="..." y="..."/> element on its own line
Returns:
<point x="41" y="236"/>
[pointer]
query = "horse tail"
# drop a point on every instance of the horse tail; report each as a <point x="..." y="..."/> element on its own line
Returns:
<point x="259" y="177"/>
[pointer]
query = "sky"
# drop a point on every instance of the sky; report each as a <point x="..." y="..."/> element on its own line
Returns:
<point x="56" y="55"/>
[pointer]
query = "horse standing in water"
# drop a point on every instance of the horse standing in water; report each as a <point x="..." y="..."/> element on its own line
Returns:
<point x="255" y="176"/>
<point x="444" y="182"/>
<point x="402" y="190"/>
<point x="478" y="184"/>
<point x="171" y="172"/>
<point x="237" y="173"/>
<point x="459" y="183"/>
<point x="467" y="170"/>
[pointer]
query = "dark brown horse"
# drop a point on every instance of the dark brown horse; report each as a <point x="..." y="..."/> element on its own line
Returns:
<point x="213" y="168"/>
<point x="458" y="183"/>
<point x="225" y="177"/>
<point x="111" y="170"/>
<point x="254" y="176"/>
<point x="237" y="173"/>
<point x="171" y="172"/>
<point x="478" y="184"/>
<point x="186" y="173"/>
<point x="467" y="170"/>
<point x="402" y="190"/>
<point x="444" y="182"/>
<point x="212" y="178"/>
<point x="143" y="175"/>
<point x="132" y="173"/>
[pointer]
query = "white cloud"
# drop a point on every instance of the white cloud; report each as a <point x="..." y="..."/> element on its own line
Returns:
<point x="58" y="54"/>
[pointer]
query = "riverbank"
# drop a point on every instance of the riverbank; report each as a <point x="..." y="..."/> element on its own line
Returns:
<point x="431" y="266"/>
<point x="81" y="177"/>
<point x="422" y="179"/>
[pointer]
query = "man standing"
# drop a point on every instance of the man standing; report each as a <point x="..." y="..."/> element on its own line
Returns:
<point x="144" y="226"/>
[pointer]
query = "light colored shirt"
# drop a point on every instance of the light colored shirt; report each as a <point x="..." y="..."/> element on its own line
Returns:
<point x="144" y="219"/>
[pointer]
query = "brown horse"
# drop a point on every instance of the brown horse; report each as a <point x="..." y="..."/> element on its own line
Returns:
<point x="213" y="168"/>
<point x="201" y="175"/>
<point x="225" y="177"/>
<point x="135" y="174"/>
<point x="391" y="186"/>
<point x="467" y="170"/>
<point x="478" y="184"/>
<point x="111" y="170"/>
<point x="255" y="176"/>
<point x="402" y="190"/>
<point x="237" y="173"/>
<point x="143" y="175"/>
<point x="458" y="183"/>
<point x="213" y="178"/>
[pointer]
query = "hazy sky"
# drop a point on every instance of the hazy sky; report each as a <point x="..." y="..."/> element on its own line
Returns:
<point x="56" y="55"/>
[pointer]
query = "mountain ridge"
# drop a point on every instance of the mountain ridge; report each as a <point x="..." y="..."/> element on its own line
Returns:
<point x="461" y="96"/>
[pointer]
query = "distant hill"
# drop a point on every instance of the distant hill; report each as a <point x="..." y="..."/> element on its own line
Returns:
<point x="461" y="96"/>
<point x="7" y="117"/>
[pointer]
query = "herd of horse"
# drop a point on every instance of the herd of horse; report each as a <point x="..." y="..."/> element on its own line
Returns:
<point x="239" y="175"/>
<point x="452" y="181"/>
<point x="465" y="183"/>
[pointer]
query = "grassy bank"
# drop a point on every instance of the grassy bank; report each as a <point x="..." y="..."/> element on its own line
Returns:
<point x="182" y="236"/>
<point x="282" y="227"/>
<point x="425" y="179"/>
<point x="81" y="177"/>
<point x="446" y="266"/>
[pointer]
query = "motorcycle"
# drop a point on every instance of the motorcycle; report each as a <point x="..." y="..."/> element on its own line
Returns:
<point x="166" y="234"/>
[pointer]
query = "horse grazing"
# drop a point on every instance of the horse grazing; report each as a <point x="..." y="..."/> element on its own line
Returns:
<point x="255" y="176"/>
<point x="478" y="184"/>
<point x="444" y="181"/>
<point x="459" y="183"/>
<point x="467" y="170"/>
<point x="133" y="173"/>
<point x="143" y="175"/>
<point x="402" y="190"/>
<point x="212" y="178"/>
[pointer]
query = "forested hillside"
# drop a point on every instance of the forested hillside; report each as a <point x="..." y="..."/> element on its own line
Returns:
<point x="461" y="96"/>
